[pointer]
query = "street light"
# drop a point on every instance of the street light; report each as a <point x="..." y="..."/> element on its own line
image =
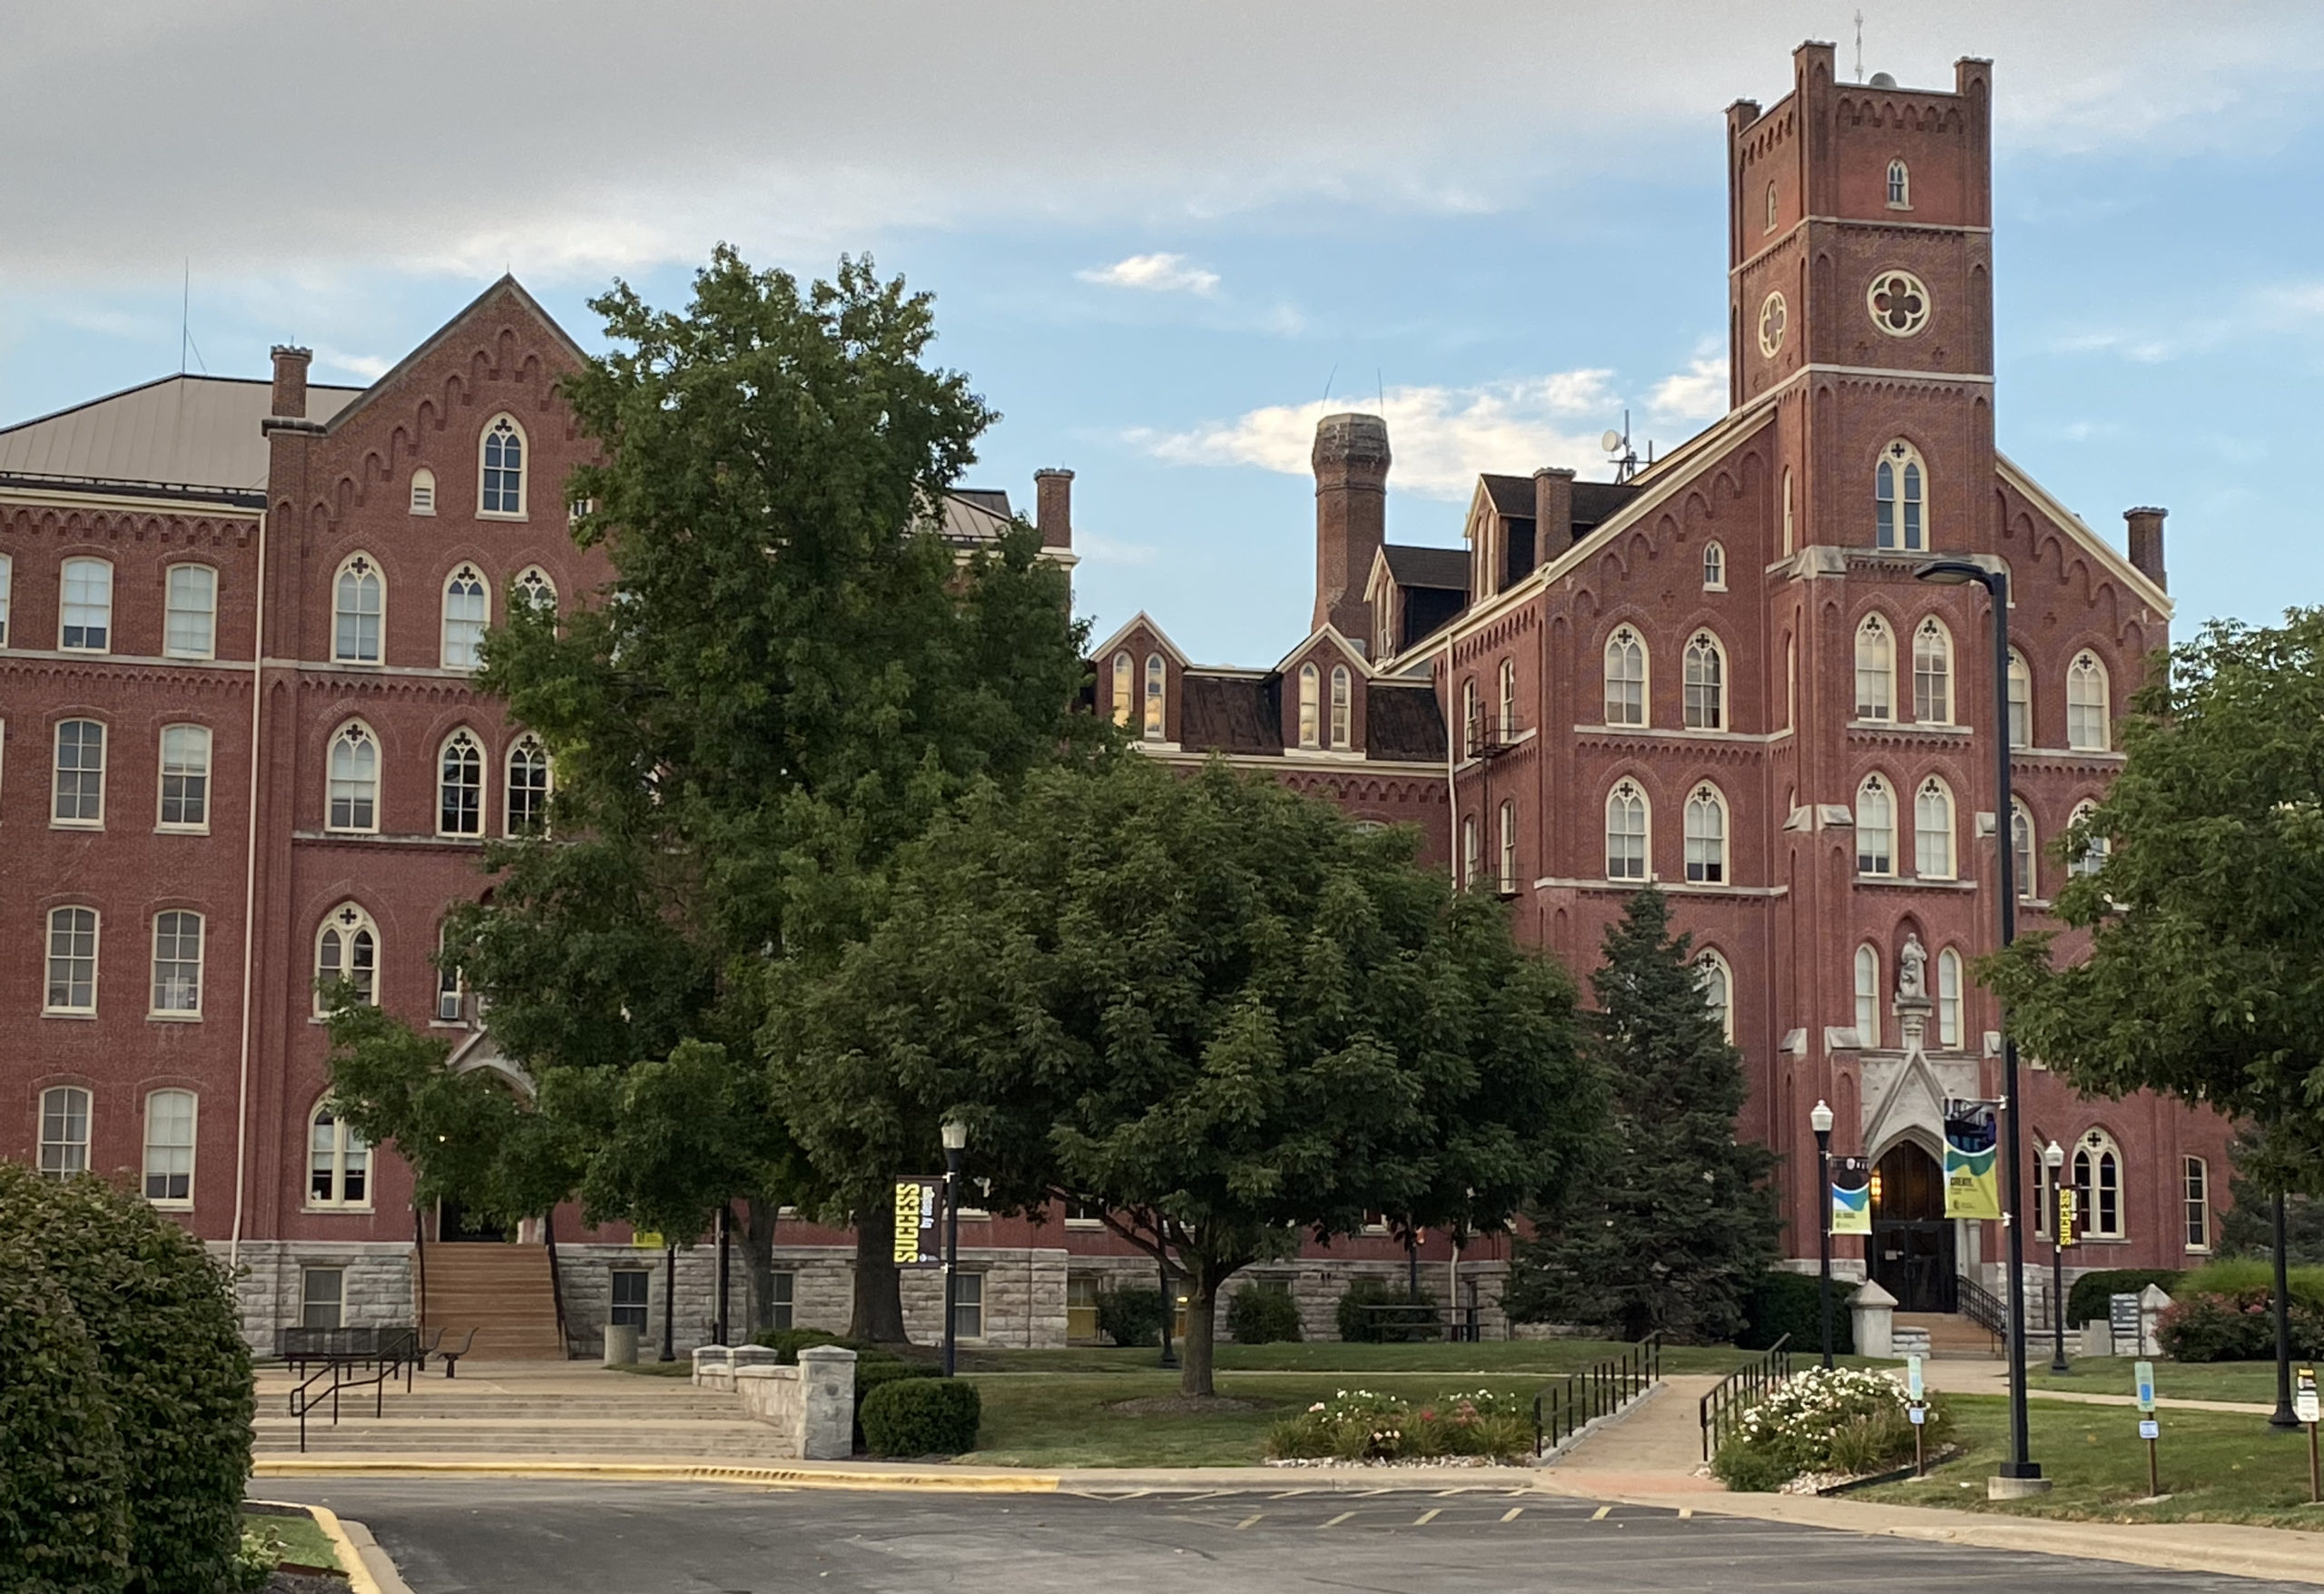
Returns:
<point x="1961" y="573"/>
<point x="2054" y="1157"/>
<point x="956" y="1139"/>
<point x="1819" y="1118"/>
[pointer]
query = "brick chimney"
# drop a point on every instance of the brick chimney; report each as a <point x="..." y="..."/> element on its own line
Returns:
<point x="1351" y="461"/>
<point x="2146" y="542"/>
<point x="1053" y="507"/>
<point x="1553" y="513"/>
<point x="291" y="381"/>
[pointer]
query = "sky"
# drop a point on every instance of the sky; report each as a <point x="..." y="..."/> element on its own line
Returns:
<point x="1164" y="238"/>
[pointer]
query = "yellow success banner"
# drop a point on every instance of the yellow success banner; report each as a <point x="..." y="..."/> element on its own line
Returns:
<point x="2065" y="1216"/>
<point x="918" y="1204"/>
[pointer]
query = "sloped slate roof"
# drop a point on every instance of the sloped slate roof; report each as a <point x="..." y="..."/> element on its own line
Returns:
<point x="1446" y="568"/>
<point x="179" y="431"/>
<point x="1230" y="714"/>
<point x="1593" y="501"/>
<point x="1402" y="721"/>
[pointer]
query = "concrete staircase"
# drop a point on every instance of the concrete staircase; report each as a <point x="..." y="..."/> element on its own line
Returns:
<point x="503" y="1292"/>
<point x="1946" y="1334"/>
<point x="523" y="1409"/>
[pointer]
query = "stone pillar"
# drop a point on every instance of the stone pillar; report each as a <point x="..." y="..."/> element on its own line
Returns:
<point x="827" y="1386"/>
<point x="1873" y="1311"/>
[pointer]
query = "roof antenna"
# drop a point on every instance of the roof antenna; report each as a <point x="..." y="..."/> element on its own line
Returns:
<point x="1859" y="46"/>
<point x="1383" y="383"/>
<point x="1329" y="380"/>
<point x="185" y="315"/>
<point x="1619" y="445"/>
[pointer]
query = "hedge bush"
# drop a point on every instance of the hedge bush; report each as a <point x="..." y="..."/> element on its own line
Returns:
<point x="2204" y="1326"/>
<point x="1360" y="1326"/>
<point x="2089" y="1298"/>
<point x="1263" y="1315"/>
<point x="1782" y="1302"/>
<point x="871" y="1375"/>
<point x="63" y="1520"/>
<point x="1130" y="1315"/>
<point x="171" y="1364"/>
<point x="2254" y="1273"/>
<point x="922" y="1417"/>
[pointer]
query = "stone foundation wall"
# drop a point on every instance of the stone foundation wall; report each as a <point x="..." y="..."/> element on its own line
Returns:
<point x="375" y="1284"/>
<point x="1316" y="1284"/>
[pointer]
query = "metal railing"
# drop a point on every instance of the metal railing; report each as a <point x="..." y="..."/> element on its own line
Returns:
<point x="396" y="1351"/>
<point x="1739" y="1392"/>
<point x="1563" y="1410"/>
<point x="1980" y="1306"/>
<point x="1400" y="1322"/>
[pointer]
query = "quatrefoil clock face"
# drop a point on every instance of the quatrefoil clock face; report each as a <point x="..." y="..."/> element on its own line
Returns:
<point x="1773" y="319"/>
<point x="1899" y="303"/>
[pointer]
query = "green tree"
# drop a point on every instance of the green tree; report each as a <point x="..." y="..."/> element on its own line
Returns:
<point x="788" y="673"/>
<point x="1677" y="1223"/>
<point x="1215" y="1009"/>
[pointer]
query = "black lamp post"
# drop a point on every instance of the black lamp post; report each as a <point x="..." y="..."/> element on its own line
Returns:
<point x="2054" y="1157"/>
<point x="1820" y="1119"/>
<point x="956" y="1139"/>
<point x="1169" y="1310"/>
<point x="2284" y="1416"/>
<point x="1961" y="573"/>
<point x="669" y="1301"/>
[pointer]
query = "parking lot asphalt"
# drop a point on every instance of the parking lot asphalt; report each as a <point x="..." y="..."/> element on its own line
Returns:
<point x="495" y="1536"/>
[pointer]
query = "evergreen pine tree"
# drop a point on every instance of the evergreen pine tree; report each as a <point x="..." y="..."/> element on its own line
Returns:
<point x="1680" y="1221"/>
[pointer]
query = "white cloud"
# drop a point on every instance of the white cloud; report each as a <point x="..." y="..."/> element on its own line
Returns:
<point x="1442" y="437"/>
<point x="1156" y="273"/>
<point x="1698" y="393"/>
<point x="369" y="367"/>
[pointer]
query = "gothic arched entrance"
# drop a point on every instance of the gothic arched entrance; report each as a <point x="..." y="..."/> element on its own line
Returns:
<point x="1912" y="1239"/>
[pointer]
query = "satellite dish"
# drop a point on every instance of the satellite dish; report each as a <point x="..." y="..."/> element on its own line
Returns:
<point x="1610" y="441"/>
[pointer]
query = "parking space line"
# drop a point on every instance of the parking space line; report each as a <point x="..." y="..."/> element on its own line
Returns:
<point x="1426" y="1517"/>
<point x="1336" y="1520"/>
<point x="1513" y="1513"/>
<point x="1449" y="1493"/>
<point x="1291" y="1494"/>
<point x="1246" y="1522"/>
<point x="1601" y="1513"/>
<point x="1686" y="1511"/>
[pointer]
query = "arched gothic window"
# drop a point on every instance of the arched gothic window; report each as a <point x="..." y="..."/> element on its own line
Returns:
<point x="2091" y="856"/>
<point x="2024" y="860"/>
<point x="527" y="788"/>
<point x="1714" y="567"/>
<point x="1706" y="681"/>
<point x="501" y="469"/>
<point x="347" y="948"/>
<point x="2098" y="1185"/>
<point x="1343" y="707"/>
<point x="359" y="611"/>
<point x="1771" y="207"/>
<point x="1867" y="996"/>
<point x="1948" y="999"/>
<point x="467" y="610"/>
<point x="1876" y="670"/>
<point x="1625" y="677"/>
<point x="1718" y="982"/>
<point x="1706" y="836"/>
<point x="2088" y="715"/>
<point x="1876" y="827"/>
<point x="1900" y="186"/>
<point x="1788" y="535"/>
<point x="459" y="786"/>
<point x="1932" y="831"/>
<point x="1154" y="697"/>
<point x="1310" y="709"/>
<point x="2021" y="701"/>
<point x="1125" y="688"/>
<point x="1898" y="495"/>
<point x="338" y="1162"/>
<point x="1933" y="672"/>
<point x="534" y="589"/>
<point x="354" y="779"/>
<point x="1627" y="819"/>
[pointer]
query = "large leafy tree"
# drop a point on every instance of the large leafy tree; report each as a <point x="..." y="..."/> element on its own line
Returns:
<point x="1678" y="1221"/>
<point x="788" y="674"/>
<point x="1215" y="1009"/>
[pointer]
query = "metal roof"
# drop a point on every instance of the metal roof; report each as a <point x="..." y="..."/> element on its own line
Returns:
<point x="180" y="431"/>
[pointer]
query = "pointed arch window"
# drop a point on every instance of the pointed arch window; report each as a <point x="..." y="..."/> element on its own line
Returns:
<point x="1867" y="997"/>
<point x="1771" y="208"/>
<point x="338" y="1162"/>
<point x="1876" y="670"/>
<point x="2088" y="728"/>
<point x="1706" y="680"/>
<point x="1876" y="827"/>
<point x="85" y="618"/>
<point x="2021" y="701"/>
<point x="2025" y="859"/>
<point x="2098" y="1185"/>
<point x="1899" y="493"/>
<point x="1506" y="874"/>
<point x="501" y="469"/>
<point x="1717" y="983"/>
<point x="1627" y="835"/>
<point x="467" y="610"/>
<point x="1933" y="672"/>
<point x="1706" y="836"/>
<point x="1310" y="709"/>
<point x="354" y="779"/>
<point x="460" y="785"/>
<point x="1125" y="688"/>
<point x="1900" y="186"/>
<point x="347" y="948"/>
<point x="2091" y="856"/>
<point x="1343" y="707"/>
<point x="1788" y="533"/>
<point x="1154" y="698"/>
<point x="1932" y="831"/>
<point x="1626" y="677"/>
<point x="359" y="611"/>
<point x="1714" y="567"/>
<point x="527" y="787"/>
<point x="534" y="589"/>
<point x="1948" y="999"/>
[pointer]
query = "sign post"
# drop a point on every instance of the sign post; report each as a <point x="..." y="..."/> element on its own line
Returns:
<point x="2304" y="1406"/>
<point x="2149" y="1428"/>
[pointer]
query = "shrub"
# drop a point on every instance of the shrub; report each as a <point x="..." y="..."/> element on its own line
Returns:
<point x="2203" y="1327"/>
<point x="1130" y="1314"/>
<point x="1747" y="1470"/>
<point x="871" y="1375"/>
<point x="1263" y="1315"/>
<point x="1360" y="1425"/>
<point x="1782" y="1302"/>
<point x="1843" y="1421"/>
<point x="2253" y="1273"/>
<point x="787" y="1342"/>
<point x="2090" y="1299"/>
<point x="1360" y="1325"/>
<point x="170" y="1362"/>
<point x="63" y="1523"/>
<point x="922" y="1417"/>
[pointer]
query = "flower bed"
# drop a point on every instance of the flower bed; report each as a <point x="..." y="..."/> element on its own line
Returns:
<point x="1359" y="1425"/>
<point x="1843" y="1421"/>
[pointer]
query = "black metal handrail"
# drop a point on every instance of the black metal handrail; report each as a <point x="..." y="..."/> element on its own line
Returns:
<point x="399" y="1350"/>
<point x="1980" y="1306"/>
<point x="1739" y="1392"/>
<point x="1562" y="1409"/>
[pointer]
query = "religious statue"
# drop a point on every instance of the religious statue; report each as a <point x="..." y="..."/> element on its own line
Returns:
<point x="1912" y="977"/>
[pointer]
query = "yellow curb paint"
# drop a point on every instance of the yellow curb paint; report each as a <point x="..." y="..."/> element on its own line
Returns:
<point x="621" y="1472"/>
<point x="1686" y="1511"/>
<point x="351" y="1559"/>
<point x="1601" y="1513"/>
<point x="1246" y="1522"/>
<point x="1336" y="1520"/>
<point x="1426" y="1517"/>
<point x="1513" y="1513"/>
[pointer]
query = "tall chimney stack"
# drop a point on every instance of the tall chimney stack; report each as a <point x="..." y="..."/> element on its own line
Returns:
<point x="1053" y="507"/>
<point x="1351" y="461"/>
<point x="2146" y="542"/>
<point x="291" y="381"/>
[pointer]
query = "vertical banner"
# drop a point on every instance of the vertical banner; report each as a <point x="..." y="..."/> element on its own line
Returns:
<point x="920" y="1204"/>
<point x="1851" y="1195"/>
<point x="2065" y="1216"/>
<point x="1972" y="1142"/>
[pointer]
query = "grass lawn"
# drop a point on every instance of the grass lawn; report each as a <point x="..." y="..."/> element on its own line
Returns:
<point x="2216" y="1467"/>
<point x="1497" y="1356"/>
<point x="303" y="1543"/>
<point x="2211" y="1381"/>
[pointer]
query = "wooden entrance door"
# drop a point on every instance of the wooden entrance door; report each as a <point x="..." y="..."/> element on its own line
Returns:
<point x="1913" y="1241"/>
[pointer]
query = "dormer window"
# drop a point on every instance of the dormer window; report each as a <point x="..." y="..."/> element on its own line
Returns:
<point x="1343" y="707"/>
<point x="1309" y="689"/>
<point x="1900" y="187"/>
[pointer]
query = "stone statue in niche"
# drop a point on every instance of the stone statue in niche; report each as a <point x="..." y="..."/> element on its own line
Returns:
<point x="1912" y="970"/>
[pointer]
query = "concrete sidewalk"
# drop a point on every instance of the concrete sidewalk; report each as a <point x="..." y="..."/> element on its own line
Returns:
<point x="1948" y="1377"/>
